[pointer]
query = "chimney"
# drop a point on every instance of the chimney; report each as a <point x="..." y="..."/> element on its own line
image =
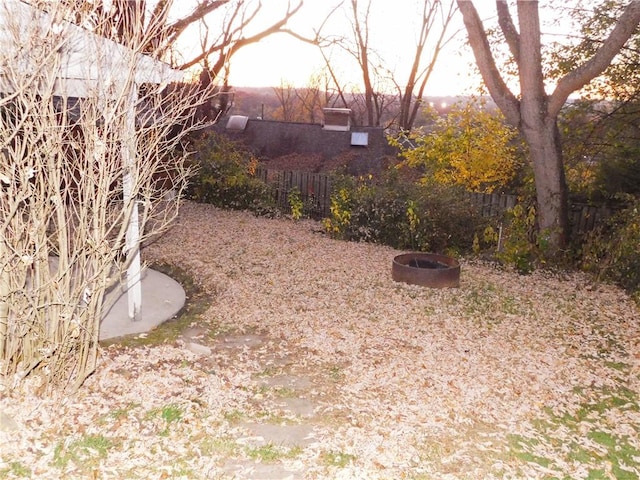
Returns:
<point x="337" y="119"/>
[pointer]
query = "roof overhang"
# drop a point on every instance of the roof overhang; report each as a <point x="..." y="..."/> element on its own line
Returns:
<point x="84" y="64"/>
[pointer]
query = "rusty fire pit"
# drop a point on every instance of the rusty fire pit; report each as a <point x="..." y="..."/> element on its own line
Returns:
<point x="426" y="269"/>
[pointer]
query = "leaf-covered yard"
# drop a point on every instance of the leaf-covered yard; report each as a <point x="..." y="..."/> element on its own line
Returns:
<point x="507" y="376"/>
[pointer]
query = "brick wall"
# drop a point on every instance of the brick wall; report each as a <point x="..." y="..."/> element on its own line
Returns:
<point x="273" y="139"/>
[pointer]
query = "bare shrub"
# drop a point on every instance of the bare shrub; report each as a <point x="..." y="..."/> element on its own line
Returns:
<point x="90" y="166"/>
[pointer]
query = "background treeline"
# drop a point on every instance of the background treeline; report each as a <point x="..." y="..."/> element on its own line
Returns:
<point x="267" y="103"/>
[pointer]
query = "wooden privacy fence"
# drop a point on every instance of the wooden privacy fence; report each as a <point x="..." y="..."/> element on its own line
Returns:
<point x="315" y="193"/>
<point x="582" y="217"/>
<point x="314" y="189"/>
<point x="492" y="204"/>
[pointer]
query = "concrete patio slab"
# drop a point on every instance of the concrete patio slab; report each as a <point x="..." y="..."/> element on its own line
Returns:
<point x="162" y="299"/>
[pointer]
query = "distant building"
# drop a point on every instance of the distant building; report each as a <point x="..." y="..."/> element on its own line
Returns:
<point x="363" y="149"/>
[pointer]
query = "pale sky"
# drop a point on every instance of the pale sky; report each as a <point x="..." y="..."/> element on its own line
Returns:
<point x="283" y="59"/>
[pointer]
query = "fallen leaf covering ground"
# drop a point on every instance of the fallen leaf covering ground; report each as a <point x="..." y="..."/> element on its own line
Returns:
<point x="508" y="376"/>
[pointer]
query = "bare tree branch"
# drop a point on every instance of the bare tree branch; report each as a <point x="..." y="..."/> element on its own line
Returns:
<point x="504" y="98"/>
<point x="203" y="9"/>
<point x="232" y="40"/>
<point x="625" y="27"/>
<point x="509" y="30"/>
<point x="410" y="100"/>
<point x="83" y="156"/>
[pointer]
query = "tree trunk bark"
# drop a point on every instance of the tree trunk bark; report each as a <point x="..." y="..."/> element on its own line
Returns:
<point x="545" y="153"/>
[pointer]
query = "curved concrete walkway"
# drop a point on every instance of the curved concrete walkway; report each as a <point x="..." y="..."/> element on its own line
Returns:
<point x="162" y="299"/>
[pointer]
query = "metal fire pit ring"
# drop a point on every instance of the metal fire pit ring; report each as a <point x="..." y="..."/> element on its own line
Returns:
<point x="426" y="269"/>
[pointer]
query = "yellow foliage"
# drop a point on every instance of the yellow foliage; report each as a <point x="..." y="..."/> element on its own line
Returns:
<point x="471" y="147"/>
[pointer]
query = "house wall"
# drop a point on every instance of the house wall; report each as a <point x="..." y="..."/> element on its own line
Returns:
<point x="273" y="139"/>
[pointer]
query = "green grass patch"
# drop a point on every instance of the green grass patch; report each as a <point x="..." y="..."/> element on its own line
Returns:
<point x="85" y="452"/>
<point x="621" y="367"/>
<point x="219" y="446"/>
<point x="15" y="470"/>
<point x="270" y="453"/>
<point x="118" y="414"/>
<point x="337" y="459"/>
<point x="285" y="392"/>
<point x="586" y="438"/>
<point x="522" y="448"/>
<point x="479" y="298"/>
<point x="169" y="414"/>
<point x="234" y="416"/>
<point x="336" y="373"/>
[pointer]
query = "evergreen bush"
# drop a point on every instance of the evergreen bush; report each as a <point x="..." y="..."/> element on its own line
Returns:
<point x="403" y="214"/>
<point x="226" y="176"/>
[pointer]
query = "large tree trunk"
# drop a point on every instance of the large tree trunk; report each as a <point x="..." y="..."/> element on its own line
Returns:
<point x="545" y="153"/>
<point x="539" y="128"/>
<point x="536" y="113"/>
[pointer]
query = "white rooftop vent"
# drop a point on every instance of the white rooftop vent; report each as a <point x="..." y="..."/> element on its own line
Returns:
<point x="338" y="119"/>
<point x="237" y="123"/>
<point x="359" y="139"/>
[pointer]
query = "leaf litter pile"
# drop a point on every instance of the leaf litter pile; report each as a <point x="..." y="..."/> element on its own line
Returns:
<point x="507" y="376"/>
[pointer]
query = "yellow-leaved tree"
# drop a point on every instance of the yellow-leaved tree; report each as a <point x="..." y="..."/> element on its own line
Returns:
<point x="471" y="146"/>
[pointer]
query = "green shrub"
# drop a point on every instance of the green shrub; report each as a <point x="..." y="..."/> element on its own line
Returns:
<point x="226" y="176"/>
<point x="403" y="214"/>
<point x="514" y="241"/>
<point x="447" y="220"/>
<point x="338" y="223"/>
<point x="612" y="250"/>
<point x="519" y="246"/>
<point x="296" y="205"/>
